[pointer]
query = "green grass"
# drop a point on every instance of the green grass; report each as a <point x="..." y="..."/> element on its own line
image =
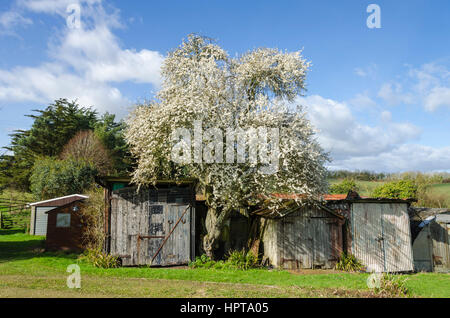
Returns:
<point x="16" y="195"/>
<point x="27" y="271"/>
<point x="22" y="217"/>
<point x="442" y="189"/>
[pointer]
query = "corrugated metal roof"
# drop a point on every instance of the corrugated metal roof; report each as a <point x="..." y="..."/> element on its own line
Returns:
<point x="421" y="213"/>
<point x="293" y="196"/>
<point x="332" y="197"/>
<point x="56" y="202"/>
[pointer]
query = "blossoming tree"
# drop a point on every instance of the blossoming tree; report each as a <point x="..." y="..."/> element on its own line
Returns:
<point x="215" y="95"/>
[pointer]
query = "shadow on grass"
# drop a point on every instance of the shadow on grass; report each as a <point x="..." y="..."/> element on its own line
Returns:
<point x="27" y="249"/>
<point x="12" y="231"/>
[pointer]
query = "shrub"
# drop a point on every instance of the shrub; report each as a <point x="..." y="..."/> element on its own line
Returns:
<point x="52" y="177"/>
<point x="236" y="260"/>
<point x="392" y="285"/>
<point x="92" y="217"/>
<point x="348" y="263"/>
<point x="242" y="260"/>
<point x="202" y="261"/>
<point x="403" y="189"/>
<point x="98" y="258"/>
<point x="344" y="187"/>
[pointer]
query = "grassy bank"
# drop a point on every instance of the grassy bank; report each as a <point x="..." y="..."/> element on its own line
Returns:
<point x="27" y="271"/>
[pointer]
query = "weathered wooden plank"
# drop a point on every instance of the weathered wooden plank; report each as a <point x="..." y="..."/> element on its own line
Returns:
<point x="143" y="214"/>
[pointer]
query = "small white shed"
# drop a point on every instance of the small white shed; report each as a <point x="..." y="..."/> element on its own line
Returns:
<point x="38" y="222"/>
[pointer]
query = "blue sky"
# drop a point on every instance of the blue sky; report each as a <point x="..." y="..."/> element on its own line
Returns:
<point x="380" y="98"/>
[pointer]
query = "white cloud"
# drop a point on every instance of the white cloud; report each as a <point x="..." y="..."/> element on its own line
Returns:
<point x="362" y="101"/>
<point x="52" y="6"/>
<point x="393" y="94"/>
<point x="383" y="147"/>
<point x="84" y="63"/>
<point x="428" y="85"/>
<point x="367" y="71"/>
<point x="344" y="136"/>
<point x="12" y="19"/>
<point x="386" y="115"/>
<point x="97" y="54"/>
<point x="405" y="157"/>
<point x="50" y="81"/>
<point x="437" y="97"/>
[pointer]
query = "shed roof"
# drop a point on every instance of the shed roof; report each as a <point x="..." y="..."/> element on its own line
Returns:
<point x="419" y="216"/>
<point x="288" y="208"/>
<point x="59" y="208"/>
<point x="56" y="202"/>
<point x="421" y="213"/>
<point x="352" y="196"/>
<point x="103" y="181"/>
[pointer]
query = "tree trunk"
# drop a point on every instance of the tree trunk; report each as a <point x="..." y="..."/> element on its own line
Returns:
<point x="215" y="221"/>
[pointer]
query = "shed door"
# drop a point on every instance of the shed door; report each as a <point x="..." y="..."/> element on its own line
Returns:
<point x="381" y="237"/>
<point x="297" y="242"/>
<point x="423" y="251"/>
<point x="141" y="221"/>
<point x="176" y="249"/>
<point x="367" y="243"/>
<point x="307" y="242"/>
<point x="440" y="235"/>
<point x="323" y="254"/>
<point x="396" y="238"/>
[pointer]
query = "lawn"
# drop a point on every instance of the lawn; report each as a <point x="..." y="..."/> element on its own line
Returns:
<point x="27" y="271"/>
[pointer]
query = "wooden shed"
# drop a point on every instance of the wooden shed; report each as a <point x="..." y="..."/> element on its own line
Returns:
<point x="38" y="221"/>
<point x="431" y="244"/>
<point x="150" y="226"/>
<point x="64" y="227"/>
<point x="305" y="237"/>
<point x="377" y="231"/>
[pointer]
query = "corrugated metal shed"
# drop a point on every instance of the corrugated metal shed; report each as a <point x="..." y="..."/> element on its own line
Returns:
<point x="431" y="246"/>
<point x="377" y="232"/>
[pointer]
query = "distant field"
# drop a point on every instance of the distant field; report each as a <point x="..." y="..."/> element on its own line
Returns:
<point x="366" y="188"/>
<point x="442" y="188"/>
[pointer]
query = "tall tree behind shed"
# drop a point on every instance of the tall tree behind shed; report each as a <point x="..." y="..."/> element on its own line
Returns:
<point x="85" y="145"/>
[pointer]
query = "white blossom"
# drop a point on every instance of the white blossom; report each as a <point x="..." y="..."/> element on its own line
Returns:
<point x="202" y="83"/>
